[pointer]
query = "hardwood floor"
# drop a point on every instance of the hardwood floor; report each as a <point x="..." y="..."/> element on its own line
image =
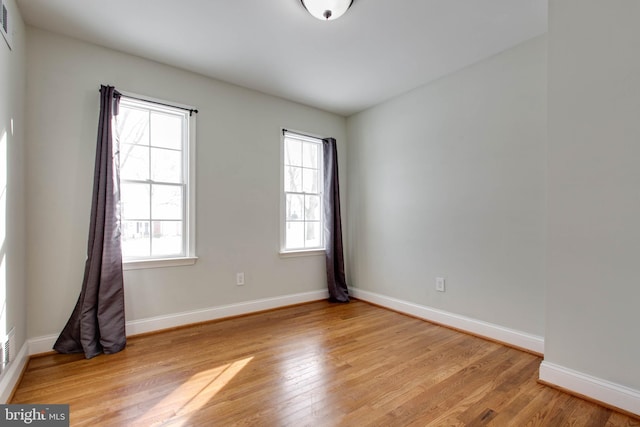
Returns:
<point x="316" y="364"/>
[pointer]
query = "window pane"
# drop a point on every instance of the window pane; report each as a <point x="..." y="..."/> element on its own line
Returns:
<point x="312" y="237"/>
<point x="166" y="130"/>
<point x="292" y="152"/>
<point x="295" y="235"/>
<point x="135" y="238"/>
<point x="292" y="179"/>
<point x="133" y="126"/>
<point x="167" y="238"/>
<point x="166" y="202"/>
<point x="302" y="183"/>
<point x="310" y="180"/>
<point x="154" y="170"/>
<point x="310" y="155"/>
<point x="294" y="207"/>
<point x="134" y="162"/>
<point x="312" y="208"/>
<point x="134" y="200"/>
<point x="166" y="165"/>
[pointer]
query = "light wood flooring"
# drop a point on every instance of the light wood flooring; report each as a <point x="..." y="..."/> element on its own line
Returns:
<point x="317" y="364"/>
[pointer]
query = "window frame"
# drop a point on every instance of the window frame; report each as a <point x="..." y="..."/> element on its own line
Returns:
<point x="188" y="256"/>
<point x="303" y="137"/>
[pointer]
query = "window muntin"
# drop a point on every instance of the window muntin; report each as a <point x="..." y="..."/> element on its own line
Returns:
<point x="154" y="180"/>
<point x="302" y="193"/>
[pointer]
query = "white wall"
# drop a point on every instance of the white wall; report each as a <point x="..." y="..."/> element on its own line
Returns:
<point x="594" y="190"/>
<point x="12" y="204"/>
<point x="449" y="180"/>
<point x="238" y="149"/>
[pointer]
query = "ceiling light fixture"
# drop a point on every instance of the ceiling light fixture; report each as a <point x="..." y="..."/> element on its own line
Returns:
<point x="327" y="10"/>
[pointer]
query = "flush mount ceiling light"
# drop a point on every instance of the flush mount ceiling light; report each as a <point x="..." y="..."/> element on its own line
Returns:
<point x="326" y="10"/>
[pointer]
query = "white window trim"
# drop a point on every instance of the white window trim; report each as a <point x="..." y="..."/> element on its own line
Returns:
<point x="189" y="257"/>
<point x="302" y="252"/>
<point x="291" y="253"/>
<point x="139" y="264"/>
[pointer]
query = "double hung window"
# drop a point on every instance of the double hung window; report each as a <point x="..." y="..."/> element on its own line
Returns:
<point x="302" y="184"/>
<point x="156" y="180"/>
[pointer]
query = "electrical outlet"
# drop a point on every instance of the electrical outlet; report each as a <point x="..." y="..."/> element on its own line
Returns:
<point x="239" y="279"/>
<point x="440" y="284"/>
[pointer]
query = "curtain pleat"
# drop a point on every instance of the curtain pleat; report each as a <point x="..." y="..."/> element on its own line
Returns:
<point x="336" y="281"/>
<point x="97" y="323"/>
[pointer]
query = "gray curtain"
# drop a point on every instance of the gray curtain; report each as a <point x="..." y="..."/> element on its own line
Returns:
<point x="336" y="282"/>
<point x="97" y="323"/>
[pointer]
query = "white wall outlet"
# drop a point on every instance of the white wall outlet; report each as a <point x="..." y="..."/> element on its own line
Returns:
<point x="440" y="284"/>
<point x="239" y="279"/>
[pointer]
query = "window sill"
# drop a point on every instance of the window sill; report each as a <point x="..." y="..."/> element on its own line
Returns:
<point x="293" y="254"/>
<point x="158" y="263"/>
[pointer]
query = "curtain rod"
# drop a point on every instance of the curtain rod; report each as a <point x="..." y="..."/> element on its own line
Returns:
<point x="301" y="134"/>
<point x="190" y="110"/>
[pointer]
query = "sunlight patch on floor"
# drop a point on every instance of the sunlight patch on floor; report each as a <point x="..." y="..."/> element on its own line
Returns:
<point x="192" y="395"/>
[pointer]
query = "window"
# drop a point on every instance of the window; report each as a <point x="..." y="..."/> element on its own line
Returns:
<point x="302" y="184"/>
<point x="156" y="182"/>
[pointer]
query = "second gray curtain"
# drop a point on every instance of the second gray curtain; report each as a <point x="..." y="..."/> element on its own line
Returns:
<point x="97" y="323"/>
<point x="336" y="281"/>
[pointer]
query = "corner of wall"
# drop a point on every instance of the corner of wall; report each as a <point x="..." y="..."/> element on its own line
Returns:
<point x="602" y="391"/>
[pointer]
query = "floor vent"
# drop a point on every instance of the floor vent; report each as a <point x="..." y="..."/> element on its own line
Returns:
<point x="7" y="350"/>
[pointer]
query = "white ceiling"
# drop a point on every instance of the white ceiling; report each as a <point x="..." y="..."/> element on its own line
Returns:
<point x="377" y="50"/>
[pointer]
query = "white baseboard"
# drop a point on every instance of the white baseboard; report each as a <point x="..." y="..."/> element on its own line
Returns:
<point x="45" y="343"/>
<point x="12" y="375"/>
<point x="179" y="319"/>
<point x="512" y="337"/>
<point x="609" y="393"/>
